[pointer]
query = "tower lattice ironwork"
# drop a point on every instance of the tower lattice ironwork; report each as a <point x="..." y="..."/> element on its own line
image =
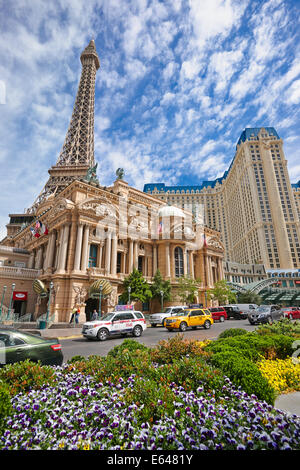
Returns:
<point x="77" y="154"/>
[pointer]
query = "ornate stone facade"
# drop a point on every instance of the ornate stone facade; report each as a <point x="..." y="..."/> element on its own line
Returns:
<point x="95" y="232"/>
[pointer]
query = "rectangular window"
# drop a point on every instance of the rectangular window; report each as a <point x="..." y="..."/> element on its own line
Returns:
<point x="93" y="256"/>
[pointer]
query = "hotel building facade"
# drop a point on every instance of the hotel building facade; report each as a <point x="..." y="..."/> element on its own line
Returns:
<point x="254" y="206"/>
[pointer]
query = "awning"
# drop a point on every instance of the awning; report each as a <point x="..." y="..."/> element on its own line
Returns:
<point x="96" y="287"/>
<point x="39" y="288"/>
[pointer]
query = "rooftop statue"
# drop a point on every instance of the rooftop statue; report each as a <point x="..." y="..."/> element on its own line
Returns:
<point x="120" y="173"/>
<point x="91" y="175"/>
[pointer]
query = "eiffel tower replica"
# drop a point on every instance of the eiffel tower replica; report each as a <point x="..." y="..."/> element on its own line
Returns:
<point x="76" y="158"/>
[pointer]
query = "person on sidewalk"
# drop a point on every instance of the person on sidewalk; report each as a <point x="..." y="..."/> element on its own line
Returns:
<point x="74" y="311"/>
<point x="94" y="315"/>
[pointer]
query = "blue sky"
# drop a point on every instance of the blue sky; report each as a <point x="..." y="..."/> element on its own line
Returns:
<point x="178" y="83"/>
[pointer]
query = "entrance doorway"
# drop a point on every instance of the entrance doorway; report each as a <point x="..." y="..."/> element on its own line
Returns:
<point x="19" y="306"/>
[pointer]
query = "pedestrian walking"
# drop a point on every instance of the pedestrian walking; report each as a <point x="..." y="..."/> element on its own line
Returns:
<point x="94" y="315"/>
<point x="74" y="311"/>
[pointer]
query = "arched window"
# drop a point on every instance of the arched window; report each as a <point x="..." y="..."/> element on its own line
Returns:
<point x="178" y="255"/>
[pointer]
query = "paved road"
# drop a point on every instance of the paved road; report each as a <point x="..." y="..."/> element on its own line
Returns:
<point x="80" y="346"/>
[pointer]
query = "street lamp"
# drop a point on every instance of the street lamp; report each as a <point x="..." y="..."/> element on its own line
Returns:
<point x="129" y="290"/>
<point x="205" y="295"/>
<point x="11" y="299"/>
<point x="100" y="297"/>
<point x="3" y="295"/>
<point x="49" y="302"/>
<point x="162" y="300"/>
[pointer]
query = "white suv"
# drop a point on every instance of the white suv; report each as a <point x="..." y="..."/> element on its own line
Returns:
<point x="115" y="323"/>
<point x="159" y="318"/>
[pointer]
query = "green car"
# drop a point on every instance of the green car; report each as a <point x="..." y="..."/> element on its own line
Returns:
<point x="16" y="345"/>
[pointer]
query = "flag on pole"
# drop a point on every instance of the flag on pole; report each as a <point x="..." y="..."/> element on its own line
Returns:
<point x="204" y="240"/>
<point x="44" y="228"/>
<point x="160" y="227"/>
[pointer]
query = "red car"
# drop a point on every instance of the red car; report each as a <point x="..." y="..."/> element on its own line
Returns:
<point x="218" y="313"/>
<point x="291" y="312"/>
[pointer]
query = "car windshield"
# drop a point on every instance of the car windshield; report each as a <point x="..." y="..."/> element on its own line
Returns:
<point x="263" y="309"/>
<point x="168" y="310"/>
<point x="108" y="316"/>
<point x="182" y="313"/>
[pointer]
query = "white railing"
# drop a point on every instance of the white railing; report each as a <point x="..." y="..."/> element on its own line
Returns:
<point x="14" y="271"/>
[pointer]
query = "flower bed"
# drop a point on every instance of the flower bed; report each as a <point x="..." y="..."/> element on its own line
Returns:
<point x="81" y="413"/>
<point x="178" y="395"/>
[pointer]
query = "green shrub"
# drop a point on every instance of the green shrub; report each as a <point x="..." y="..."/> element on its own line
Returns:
<point x="5" y="404"/>
<point x="26" y="375"/>
<point x="190" y="373"/>
<point x="154" y="399"/>
<point x="128" y="346"/>
<point x="282" y="327"/>
<point x="76" y="359"/>
<point x="232" y="332"/>
<point x="244" y="373"/>
<point x="254" y="346"/>
<point x="175" y="348"/>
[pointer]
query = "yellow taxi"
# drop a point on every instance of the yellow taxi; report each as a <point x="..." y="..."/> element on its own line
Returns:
<point x="190" y="317"/>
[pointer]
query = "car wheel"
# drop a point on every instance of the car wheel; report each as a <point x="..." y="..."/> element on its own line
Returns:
<point x="137" y="331"/>
<point x="169" y="329"/>
<point x="251" y="322"/>
<point x="183" y="326"/>
<point x="163" y="323"/>
<point x="207" y="324"/>
<point x="153" y="325"/>
<point x="102" y="334"/>
<point x="222" y="318"/>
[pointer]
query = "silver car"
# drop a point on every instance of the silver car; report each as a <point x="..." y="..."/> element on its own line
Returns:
<point x="264" y="314"/>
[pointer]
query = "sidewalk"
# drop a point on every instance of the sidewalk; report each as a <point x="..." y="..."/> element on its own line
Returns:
<point x="289" y="403"/>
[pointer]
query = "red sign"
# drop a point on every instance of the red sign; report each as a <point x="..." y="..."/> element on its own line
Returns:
<point x="297" y="282"/>
<point x="19" y="295"/>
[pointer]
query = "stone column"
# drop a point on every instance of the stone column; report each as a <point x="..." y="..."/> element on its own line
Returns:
<point x="114" y="255"/>
<point x="39" y="258"/>
<point x="154" y="259"/>
<point x="191" y="264"/>
<point x="130" y="265"/>
<point x="168" y="266"/>
<point x="135" y="254"/>
<point x="64" y="248"/>
<point x="85" y="249"/>
<point x="185" y="269"/>
<point x="99" y="264"/>
<point x="78" y="248"/>
<point x="31" y="260"/>
<point x="210" y="276"/>
<point x="123" y="264"/>
<point x="50" y="250"/>
<point x="108" y="253"/>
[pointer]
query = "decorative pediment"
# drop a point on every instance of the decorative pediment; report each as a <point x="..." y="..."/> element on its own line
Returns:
<point x="101" y="207"/>
<point x="61" y="205"/>
<point x="214" y="243"/>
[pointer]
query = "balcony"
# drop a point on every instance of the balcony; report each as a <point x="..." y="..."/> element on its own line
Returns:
<point x="17" y="272"/>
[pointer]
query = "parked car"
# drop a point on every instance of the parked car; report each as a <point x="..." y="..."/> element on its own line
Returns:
<point x="159" y="318"/>
<point x="245" y="307"/>
<point x="234" y="312"/>
<point x="218" y="313"/>
<point x="265" y="314"/>
<point x="16" y="345"/>
<point x="192" y="317"/>
<point x="291" y="312"/>
<point x="115" y="323"/>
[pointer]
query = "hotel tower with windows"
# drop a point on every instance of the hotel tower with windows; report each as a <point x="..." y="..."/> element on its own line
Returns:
<point x="254" y="206"/>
